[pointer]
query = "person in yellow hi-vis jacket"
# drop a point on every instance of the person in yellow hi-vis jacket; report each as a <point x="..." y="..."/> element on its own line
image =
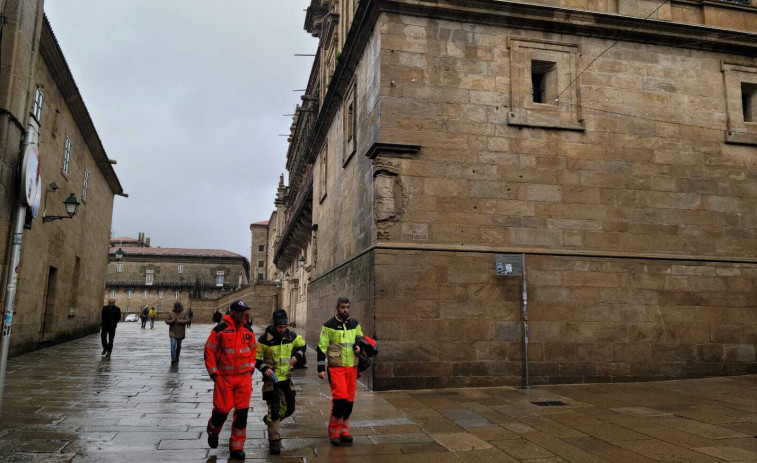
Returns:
<point x="337" y="344"/>
<point x="279" y="349"/>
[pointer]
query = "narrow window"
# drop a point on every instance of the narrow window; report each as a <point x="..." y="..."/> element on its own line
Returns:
<point x="260" y="264"/>
<point x="128" y="295"/>
<point x="219" y="278"/>
<point x="144" y="295"/>
<point x="176" y="295"/>
<point x="160" y="308"/>
<point x="112" y="294"/>
<point x="86" y="184"/>
<point x="180" y="268"/>
<point x="260" y="276"/>
<point x="160" y="294"/>
<point x="39" y="99"/>
<point x="261" y="248"/>
<point x="119" y="267"/>
<point x="66" y="156"/>
<point x="128" y="308"/>
<point x="324" y="171"/>
<point x="148" y="277"/>
<point x="544" y="81"/>
<point x="749" y="101"/>
<point x="350" y="127"/>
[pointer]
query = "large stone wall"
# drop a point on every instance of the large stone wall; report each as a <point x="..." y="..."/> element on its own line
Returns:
<point x="71" y="307"/>
<point x="444" y="319"/>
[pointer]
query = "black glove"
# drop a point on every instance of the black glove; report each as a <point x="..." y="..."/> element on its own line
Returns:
<point x="213" y="376"/>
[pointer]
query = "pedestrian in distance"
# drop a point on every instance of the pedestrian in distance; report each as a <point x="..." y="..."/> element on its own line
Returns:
<point x="177" y="321"/>
<point x="152" y="314"/>
<point x="111" y="315"/>
<point x="217" y="316"/>
<point x="190" y="314"/>
<point x="337" y="344"/>
<point x="279" y="350"/>
<point x="229" y="358"/>
<point x="144" y="315"/>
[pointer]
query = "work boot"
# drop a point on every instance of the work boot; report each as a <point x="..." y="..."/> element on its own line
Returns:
<point x="212" y="441"/>
<point x="345" y="439"/>
<point x="105" y="351"/>
<point x="237" y="455"/>
<point x="336" y="442"/>
<point x="107" y="354"/>
<point x="274" y="446"/>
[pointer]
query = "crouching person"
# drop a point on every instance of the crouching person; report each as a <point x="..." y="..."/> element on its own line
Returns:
<point x="279" y="350"/>
<point x="230" y="358"/>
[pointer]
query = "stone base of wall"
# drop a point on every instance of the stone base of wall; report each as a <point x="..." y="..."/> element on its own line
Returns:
<point x="22" y="348"/>
<point x="444" y="319"/>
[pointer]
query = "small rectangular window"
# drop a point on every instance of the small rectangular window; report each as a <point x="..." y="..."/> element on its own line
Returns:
<point x="66" y="156"/>
<point x="112" y="294"/>
<point x="350" y="127"/>
<point x="160" y="308"/>
<point x="119" y="267"/>
<point x="324" y="171"/>
<point x="219" y="278"/>
<point x="148" y="277"/>
<point x="160" y="294"/>
<point x="260" y="276"/>
<point x="749" y="101"/>
<point x="544" y="81"/>
<point x="128" y="308"/>
<point x="176" y="295"/>
<point x="261" y="248"/>
<point x="86" y="185"/>
<point x="128" y="295"/>
<point x="39" y="99"/>
<point x="261" y="264"/>
<point x="144" y="295"/>
<point x="180" y="268"/>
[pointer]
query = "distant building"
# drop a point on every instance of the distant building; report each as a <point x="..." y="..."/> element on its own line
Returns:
<point x="159" y="277"/>
<point x="259" y="251"/>
<point x="63" y="262"/>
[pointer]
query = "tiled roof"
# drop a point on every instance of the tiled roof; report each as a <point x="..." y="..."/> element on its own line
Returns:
<point x="263" y="223"/>
<point x="177" y="252"/>
<point x="123" y="239"/>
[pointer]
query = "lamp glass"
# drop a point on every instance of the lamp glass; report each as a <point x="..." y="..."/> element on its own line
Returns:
<point x="119" y="254"/>
<point x="71" y="204"/>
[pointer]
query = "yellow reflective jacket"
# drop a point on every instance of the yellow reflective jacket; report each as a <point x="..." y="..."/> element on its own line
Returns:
<point x="274" y="351"/>
<point x="337" y="343"/>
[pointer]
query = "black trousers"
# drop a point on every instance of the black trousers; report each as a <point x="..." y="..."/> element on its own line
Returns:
<point x="282" y="389"/>
<point x="106" y="335"/>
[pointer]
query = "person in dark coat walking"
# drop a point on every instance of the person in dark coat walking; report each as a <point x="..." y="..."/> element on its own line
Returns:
<point x="111" y="315"/>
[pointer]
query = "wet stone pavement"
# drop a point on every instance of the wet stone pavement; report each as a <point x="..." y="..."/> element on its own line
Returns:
<point x="69" y="404"/>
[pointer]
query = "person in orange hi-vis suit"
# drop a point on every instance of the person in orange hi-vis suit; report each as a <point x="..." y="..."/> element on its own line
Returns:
<point x="230" y="360"/>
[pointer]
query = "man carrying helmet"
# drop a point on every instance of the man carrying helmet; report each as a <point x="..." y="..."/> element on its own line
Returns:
<point x="229" y="358"/>
<point x="279" y="349"/>
<point x="337" y="343"/>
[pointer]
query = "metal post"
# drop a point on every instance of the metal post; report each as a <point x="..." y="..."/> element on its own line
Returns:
<point x="10" y="293"/>
<point x="525" y="321"/>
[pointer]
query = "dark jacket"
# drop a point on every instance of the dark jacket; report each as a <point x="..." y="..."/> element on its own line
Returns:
<point x="110" y="316"/>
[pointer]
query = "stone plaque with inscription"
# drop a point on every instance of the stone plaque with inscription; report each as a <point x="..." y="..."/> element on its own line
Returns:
<point x="415" y="232"/>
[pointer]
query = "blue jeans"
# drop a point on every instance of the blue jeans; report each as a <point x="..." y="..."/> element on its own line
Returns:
<point x="175" y="349"/>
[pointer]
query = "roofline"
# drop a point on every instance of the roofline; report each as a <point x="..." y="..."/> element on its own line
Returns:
<point x="51" y="53"/>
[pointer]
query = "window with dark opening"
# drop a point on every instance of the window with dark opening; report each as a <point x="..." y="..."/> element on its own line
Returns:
<point x="749" y="101"/>
<point x="544" y="81"/>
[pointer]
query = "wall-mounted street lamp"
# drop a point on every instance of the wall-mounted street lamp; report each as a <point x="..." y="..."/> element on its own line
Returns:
<point x="119" y="254"/>
<point x="71" y="203"/>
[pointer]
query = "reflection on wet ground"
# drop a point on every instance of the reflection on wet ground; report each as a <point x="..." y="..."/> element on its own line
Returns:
<point x="69" y="404"/>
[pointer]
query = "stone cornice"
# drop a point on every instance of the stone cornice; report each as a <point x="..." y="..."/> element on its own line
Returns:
<point x="53" y="55"/>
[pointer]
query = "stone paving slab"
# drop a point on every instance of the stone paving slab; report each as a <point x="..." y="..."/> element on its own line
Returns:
<point x="67" y="403"/>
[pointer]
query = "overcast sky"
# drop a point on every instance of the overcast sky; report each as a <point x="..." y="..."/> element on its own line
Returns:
<point x="188" y="97"/>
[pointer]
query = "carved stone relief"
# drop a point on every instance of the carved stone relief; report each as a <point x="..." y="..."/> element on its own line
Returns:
<point x="390" y="196"/>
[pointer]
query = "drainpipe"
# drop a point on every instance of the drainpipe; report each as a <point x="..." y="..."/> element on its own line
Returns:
<point x="525" y="323"/>
<point x="11" y="280"/>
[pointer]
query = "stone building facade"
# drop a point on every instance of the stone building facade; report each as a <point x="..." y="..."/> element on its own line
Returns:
<point x="61" y="274"/>
<point x="611" y="144"/>
<point x="159" y="277"/>
<point x="259" y="251"/>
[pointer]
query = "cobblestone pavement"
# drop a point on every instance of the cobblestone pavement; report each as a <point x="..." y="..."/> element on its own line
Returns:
<point x="67" y="403"/>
